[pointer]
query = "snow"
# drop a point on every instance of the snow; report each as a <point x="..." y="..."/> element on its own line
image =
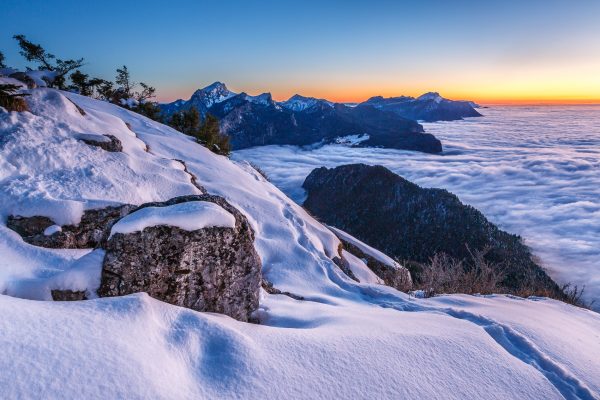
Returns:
<point x="431" y="96"/>
<point x="137" y="347"/>
<point x="346" y="339"/>
<point x="130" y="102"/>
<point x="52" y="229"/>
<point x="82" y="274"/>
<point x="352" y="140"/>
<point x="300" y="103"/>
<point x="50" y="172"/>
<point x="188" y="216"/>
<point x="42" y="77"/>
<point x="360" y="269"/>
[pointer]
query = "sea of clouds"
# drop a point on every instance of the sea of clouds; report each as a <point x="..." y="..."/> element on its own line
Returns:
<point x="532" y="170"/>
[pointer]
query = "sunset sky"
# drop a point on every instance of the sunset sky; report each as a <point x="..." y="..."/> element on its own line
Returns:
<point x="487" y="51"/>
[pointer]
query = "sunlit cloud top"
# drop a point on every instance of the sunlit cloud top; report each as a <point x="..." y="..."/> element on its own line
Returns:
<point x="346" y="51"/>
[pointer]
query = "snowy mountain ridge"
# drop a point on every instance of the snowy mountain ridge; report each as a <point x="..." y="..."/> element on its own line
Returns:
<point x="301" y="103"/>
<point x="343" y="338"/>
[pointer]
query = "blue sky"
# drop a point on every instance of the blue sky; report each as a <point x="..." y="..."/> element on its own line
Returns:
<point x="342" y="50"/>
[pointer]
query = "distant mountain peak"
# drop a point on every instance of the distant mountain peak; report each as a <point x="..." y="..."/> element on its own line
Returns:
<point x="300" y="103"/>
<point x="212" y="94"/>
<point x="431" y="96"/>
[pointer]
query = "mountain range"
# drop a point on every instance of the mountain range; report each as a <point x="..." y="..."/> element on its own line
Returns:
<point x="260" y="120"/>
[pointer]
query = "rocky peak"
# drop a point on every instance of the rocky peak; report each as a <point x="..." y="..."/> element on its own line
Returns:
<point x="299" y="103"/>
<point x="212" y="94"/>
<point x="431" y="96"/>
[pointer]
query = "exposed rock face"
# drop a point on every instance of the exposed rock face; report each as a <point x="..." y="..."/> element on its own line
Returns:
<point x="398" y="278"/>
<point x="89" y="233"/>
<point x="29" y="227"/>
<point x="212" y="269"/>
<point x="411" y="223"/>
<point x="112" y="145"/>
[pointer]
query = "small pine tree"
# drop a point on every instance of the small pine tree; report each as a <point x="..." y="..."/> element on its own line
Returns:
<point x="105" y="91"/>
<point x="123" y="79"/>
<point x="148" y="109"/>
<point x="36" y="53"/>
<point x="81" y="83"/>
<point x="10" y="99"/>
<point x="147" y="93"/>
<point x="186" y="121"/>
<point x="2" y="65"/>
<point x="210" y="136"/>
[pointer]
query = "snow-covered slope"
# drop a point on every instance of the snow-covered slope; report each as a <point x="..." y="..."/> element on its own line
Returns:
<point x="346" y="339"/>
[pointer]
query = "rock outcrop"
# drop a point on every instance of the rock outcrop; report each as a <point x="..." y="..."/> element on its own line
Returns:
<point x="398" y="278"/>
<point x="113" y="144"/>
<point x="93" y="229"/>
<point x="410" y="223"/>
<point x="214" y="269"/>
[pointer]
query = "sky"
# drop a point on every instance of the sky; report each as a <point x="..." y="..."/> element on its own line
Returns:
<point x="487" y="51"/>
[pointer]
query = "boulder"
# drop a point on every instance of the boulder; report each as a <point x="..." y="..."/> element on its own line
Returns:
<point x="213" y="269"/>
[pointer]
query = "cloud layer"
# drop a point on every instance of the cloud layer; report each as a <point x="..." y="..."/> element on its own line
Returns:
<point x="534" y="171"/>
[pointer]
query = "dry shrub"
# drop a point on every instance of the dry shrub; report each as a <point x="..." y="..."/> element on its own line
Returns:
<point x="445" y="274"/>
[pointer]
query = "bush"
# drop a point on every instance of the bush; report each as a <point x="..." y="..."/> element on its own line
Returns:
<point x="444" y="274"/>
<point x="11" y="100"/>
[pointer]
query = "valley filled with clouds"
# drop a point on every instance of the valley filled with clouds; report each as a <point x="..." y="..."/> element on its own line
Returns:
<point x="533" y="170"/>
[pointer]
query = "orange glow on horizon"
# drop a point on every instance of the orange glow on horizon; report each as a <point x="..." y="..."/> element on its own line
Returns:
<point x="357" y="95"/>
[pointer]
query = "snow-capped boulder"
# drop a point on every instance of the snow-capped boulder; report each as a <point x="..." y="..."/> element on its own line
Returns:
<point x="191" y="251"/>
